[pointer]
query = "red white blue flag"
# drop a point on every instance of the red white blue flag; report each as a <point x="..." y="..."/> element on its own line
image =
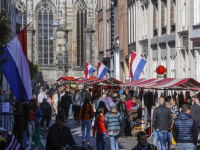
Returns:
<point x="17" y="71"/>
<point x="101" y="70"/>
<point x="89" y="70"/>
<point x="136" y="66"/>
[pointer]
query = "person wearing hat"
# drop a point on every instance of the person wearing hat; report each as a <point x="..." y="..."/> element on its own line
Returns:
<point x="121" y="107"/>
<point x="46" y="111"/>
<point x="113" y="120"/>
<point x="59" y="135"/>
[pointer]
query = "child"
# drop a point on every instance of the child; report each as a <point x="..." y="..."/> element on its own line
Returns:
<point x="101" y="129"/>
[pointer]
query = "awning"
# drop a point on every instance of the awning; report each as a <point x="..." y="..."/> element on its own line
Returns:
<point x="132" y="82"/>
<point x="66" y="78"/>
<point x="176" y="83"/>
<point x="146" y="83"/>
<point x="84" y="79"/>
<point x="107" y="81"/>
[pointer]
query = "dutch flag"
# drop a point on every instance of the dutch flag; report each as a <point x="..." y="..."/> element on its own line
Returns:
<point x="136" y="66"/>
<point x="89" y="70"/>
<point x="101" y="71"/>
<point x="17" y="71"/>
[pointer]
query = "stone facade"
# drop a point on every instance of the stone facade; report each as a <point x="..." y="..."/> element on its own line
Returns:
<point x="76" y="39"/>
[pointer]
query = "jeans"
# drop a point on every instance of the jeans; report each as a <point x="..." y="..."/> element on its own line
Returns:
<point x="114" y="143"/>
<point x="31" y="131"/>
<point x="155" y="139"/>
<point x="24" y="138"/>
<point x="86" y="123"/>
<point x="169" y="139"/>
<point x="100" y="139"/>
<point x="186" y="146"/>
<point x="47" y="118"/>
<point x="162" y="135"/>
<point x="70" y="111"/>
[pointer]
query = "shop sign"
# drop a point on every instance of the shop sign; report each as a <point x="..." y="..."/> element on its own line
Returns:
<point x="160" y="70"/>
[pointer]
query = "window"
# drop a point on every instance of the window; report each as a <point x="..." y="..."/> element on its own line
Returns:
<point x="81" y="24"/>
<point x="164" y="61"/>
<point x="197" y="12"/>
<point x="163" y="13"/>
<point x="108" y="4"/>
<point x="197" y="65"/>
<point x="108" y="35"/>
<point x="155" y="16"/>
<point x="173" y="72"/>
<point x="3" y="4"/>
<point x="45" y="31"/>
<point x="172" y="12"/>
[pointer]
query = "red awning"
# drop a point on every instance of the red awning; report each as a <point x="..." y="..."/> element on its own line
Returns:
<point x="147" y="82"/>
<point x="107" y="81"/>
<point x="176" y="83"/>
<point x="66" y="78"/>
<point x="83" y="80"/>
<point x="132" y="82"/>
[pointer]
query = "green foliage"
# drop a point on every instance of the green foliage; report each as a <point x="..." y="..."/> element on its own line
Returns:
<point x="5" y="36"/>
<point x="33" y="69"/>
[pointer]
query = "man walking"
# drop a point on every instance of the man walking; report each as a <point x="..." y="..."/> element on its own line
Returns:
<point x="41" y="96"/>
<point x="162" y="120"/>
<point x="185" y="131"/>
<point x="65" y="102"/>
<point x="46" y="111"/>
<point x="103" y="98"/>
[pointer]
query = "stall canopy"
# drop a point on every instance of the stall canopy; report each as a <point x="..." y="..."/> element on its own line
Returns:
<point x="132" y="82"/>
<point x="168" y="83"/>
<point x="66" y="78"/>
<point x="84" y="79"/>
<point x="74" y="79"/>
<point x="106" y="81"/>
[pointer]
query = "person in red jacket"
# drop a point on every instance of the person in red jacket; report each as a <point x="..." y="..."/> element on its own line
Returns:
<point x="86" y="114"/>
<point x="131" y="103"/>
<point x="101" y="129"/>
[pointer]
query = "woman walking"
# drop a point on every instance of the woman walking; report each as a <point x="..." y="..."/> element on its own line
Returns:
<point x="112" y="121"/>
<point x="101" y="130"/>
<point x="77" y="100"/>
<point x="86" y="114"/>
<point x="35" y="116"/>
<point x="101" y="105"/>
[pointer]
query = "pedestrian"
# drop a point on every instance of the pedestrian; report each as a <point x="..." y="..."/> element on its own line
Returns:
<point x="142" y="142"/>
<point x="24" y="108"/>
<point x="46" y="111"/>
<point x="121" y="107"/>
<point x="72" y="97"/>
<point x="51" y="92"/>
<point x="101" y="129"/>
<point x="86" y="114"/>
<point x="103" y="98"/>
<point x="101" y="105"/>
<point x="49" y="100"/>
<point x="113" y="120"/>
<point x="185" y="131"/>
<point x="35" y="116"/>
<point x="174" y="108"/>
<point x="65" y="102"/>
<point x="77" y="100"/>
<point x="195" y="112"/>
<point x="131" y="103"/>
<point x="162" y="120"/>
<point x="55" y="102"/>
<point x="169" y="134"/>
<point x="108" y="100"/>
<point x="59" y="135"/>
<point x="41" y="96"/>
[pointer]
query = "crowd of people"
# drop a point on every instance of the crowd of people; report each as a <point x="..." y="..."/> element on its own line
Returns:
<point x="114" y="115"/>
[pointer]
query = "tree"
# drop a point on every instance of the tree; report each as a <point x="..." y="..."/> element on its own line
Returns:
<point x="33" y="69"/>
<point x="5" y="36"/>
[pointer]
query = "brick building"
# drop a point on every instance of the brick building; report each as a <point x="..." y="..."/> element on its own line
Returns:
<point x="63" y="50"/>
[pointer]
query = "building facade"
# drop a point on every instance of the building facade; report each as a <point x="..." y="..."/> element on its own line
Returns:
<point x="63" y="50"/>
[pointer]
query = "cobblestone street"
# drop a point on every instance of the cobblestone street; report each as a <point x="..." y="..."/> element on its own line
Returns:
<point x="124" y="143"/>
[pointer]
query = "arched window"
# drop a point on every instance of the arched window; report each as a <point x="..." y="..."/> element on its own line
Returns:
<point x="45" y="31"/>
<point x="81" y="24"/>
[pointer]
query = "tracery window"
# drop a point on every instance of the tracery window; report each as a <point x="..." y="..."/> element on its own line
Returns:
<point x="45" y="31"/>
<point x="81" y="24"/>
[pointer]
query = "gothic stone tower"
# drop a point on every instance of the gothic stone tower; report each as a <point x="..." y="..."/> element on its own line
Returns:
<point x="76" y="39"/>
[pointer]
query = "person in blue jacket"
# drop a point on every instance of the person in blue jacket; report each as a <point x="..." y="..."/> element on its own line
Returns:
<point x="35" y="116"/>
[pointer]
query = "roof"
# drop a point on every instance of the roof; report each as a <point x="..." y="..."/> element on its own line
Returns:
<point x="80" y="80"/>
